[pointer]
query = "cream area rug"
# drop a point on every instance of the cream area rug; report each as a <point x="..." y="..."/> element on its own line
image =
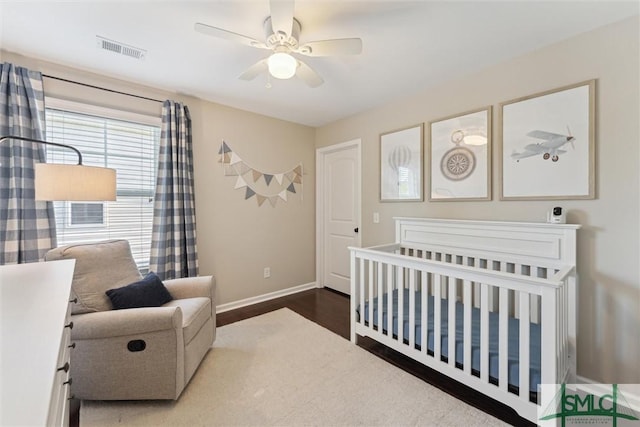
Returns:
<point x="280" y="369"/>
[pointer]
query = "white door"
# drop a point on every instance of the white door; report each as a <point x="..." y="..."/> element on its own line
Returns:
<point x="339" y="212"/>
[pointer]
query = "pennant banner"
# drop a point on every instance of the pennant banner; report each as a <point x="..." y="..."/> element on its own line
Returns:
<point x="285" y="181"/>
<point x="240" y="183"/>
<point x="234" y="158"/>
<point x="249" y="194"/>
<point x="242" y="168"/>
<point x="224" y="148"/>
<point x="230" y="171"/>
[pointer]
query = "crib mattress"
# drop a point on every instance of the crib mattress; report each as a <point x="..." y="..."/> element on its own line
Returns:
<point x="513" y="335"/>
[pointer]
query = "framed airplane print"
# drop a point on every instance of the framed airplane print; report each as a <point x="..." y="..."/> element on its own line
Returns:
<point x="547" y="149"/>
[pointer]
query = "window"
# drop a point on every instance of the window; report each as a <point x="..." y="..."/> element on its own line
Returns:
<point x="86" y="214"/>
<point x="124" y="141"/>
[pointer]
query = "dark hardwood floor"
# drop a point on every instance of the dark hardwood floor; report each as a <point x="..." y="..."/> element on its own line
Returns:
<point x="325" y="307"/>
<point x="330" y="309"/>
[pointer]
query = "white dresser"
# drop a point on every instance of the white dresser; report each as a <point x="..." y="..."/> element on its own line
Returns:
<point x="34" y="327"/>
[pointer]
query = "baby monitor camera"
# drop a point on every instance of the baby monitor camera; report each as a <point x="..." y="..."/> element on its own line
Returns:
<point x="556" y="216"/>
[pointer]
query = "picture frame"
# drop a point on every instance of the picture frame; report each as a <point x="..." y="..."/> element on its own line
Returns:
<point x="459" y="157"/>
<point x="547" y="149"/>
<point x="401" y="165"/>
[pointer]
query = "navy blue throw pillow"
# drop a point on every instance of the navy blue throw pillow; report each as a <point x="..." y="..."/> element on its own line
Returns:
<point x="148" y="292"/>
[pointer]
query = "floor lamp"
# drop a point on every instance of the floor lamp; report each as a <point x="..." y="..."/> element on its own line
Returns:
<point x="53" y="181"/>
<point x="56" y="181"/>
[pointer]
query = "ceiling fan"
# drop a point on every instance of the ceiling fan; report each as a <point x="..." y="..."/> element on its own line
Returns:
<point x="282" y="32"/>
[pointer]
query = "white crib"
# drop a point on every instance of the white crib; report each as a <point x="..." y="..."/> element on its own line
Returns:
<point x="505" y="290"/>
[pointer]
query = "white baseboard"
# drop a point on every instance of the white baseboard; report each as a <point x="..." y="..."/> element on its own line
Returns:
<point x="266" y="297"/>
<point x="585" y="380"/>
<point x="633" y="399"/>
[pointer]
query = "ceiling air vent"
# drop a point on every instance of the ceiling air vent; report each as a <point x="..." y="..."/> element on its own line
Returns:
<point x="120" y="48"/>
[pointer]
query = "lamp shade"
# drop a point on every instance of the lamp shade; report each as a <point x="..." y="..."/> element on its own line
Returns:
<point x="282" y="65"/>
<point x="54" y="181"/>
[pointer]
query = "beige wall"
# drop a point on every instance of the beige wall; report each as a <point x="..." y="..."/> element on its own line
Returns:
<point x="236" y="238"/>
<point x="608" y="254"/>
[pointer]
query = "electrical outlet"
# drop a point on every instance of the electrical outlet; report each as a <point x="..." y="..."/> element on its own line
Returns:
<point x="267" y="272"/>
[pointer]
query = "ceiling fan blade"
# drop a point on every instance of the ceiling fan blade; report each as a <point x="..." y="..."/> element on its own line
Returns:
<point x="332" y="47"/>
<point x="255" y="70"/>
<point x="307" y="75"/>
<point x="228" y="35"/>
<point x="282" y="16"/>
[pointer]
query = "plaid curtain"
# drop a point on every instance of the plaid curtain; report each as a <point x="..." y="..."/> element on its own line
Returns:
<point x="27" y="227"/>
<point x="173" y="245"/>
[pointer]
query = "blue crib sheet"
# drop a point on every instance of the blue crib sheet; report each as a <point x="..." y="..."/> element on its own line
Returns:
<point x="513" y="334"/>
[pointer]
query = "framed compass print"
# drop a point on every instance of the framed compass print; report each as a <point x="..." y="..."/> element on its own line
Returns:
<point x="459" y="152"/>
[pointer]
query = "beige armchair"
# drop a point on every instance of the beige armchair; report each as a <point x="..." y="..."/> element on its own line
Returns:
<point x="136" y="353"/>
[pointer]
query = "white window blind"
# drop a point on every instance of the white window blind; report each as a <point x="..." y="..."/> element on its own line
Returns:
<point x="127" y="146"/>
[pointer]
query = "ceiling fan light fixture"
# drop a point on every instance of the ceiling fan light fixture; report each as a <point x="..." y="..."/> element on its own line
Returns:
<point x="282" y="65"/>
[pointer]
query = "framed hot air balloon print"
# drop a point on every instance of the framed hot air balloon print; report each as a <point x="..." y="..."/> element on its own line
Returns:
<point x="459" y="157"/>
<point x="401" y="165"/>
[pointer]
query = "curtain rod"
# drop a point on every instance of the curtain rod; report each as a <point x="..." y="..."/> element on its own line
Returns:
<point x="101" y="88"/>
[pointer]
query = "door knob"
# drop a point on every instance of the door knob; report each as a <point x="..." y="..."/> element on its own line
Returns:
<point x="355" y="230"/>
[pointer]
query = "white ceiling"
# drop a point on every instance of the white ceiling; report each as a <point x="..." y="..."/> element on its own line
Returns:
<point x="408" y="46"/>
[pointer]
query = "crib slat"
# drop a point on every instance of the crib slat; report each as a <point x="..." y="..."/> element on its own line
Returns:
<point x="558" y="334"/>
<point x="549" y="331"/>
<point x="550" y="328"/>
<point x="503" y="377"/>
<point x="370" y="295"/>
<point x="467" y="327"/>
<point x="524" y="346"/>
<point x="565" y="316"/>
<point x="380" y="293"/>
<point x="400" y="317"/>
<point x="534" y="307"/>
<point x="361" y="288"/>
<point x="354" y="298"/>
<point x="390" y="268"/>
<point x="412" y="308"/>
<point x="451" y="341"/>
<point x="424" y="315"/>
<point x="516" y="294"/>
<point x="476" y="294"/>
<point x="562" y="328"/>
<point x="437" y="288"/>
<point x="571" y="324"/>
<point x="484" y="332"/>
<point x="493" y="291"/>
